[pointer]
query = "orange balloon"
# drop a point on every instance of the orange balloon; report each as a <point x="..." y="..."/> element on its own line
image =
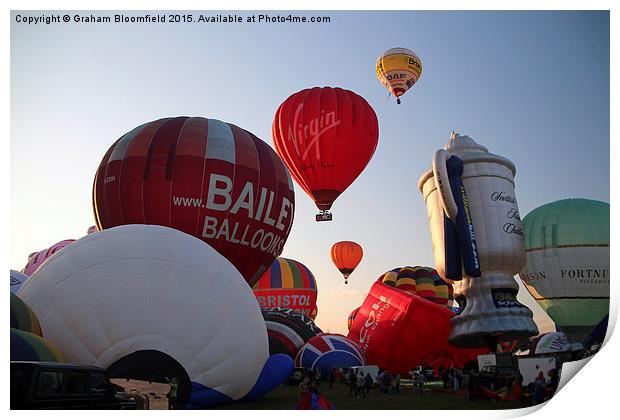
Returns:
<point x="346" y="255"/>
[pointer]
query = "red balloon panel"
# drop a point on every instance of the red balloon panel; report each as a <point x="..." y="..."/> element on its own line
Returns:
<point x="398" y="331"/>
<point x="207" y="178"/>
<point x="326" y="137"/>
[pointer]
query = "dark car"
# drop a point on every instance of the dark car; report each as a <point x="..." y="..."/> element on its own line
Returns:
<point x="52" y="385"/>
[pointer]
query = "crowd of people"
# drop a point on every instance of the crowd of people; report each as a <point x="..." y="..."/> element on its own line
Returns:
<point x="361" y="383"/>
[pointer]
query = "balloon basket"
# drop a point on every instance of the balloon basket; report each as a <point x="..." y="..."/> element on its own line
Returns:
<point x="324" y="216"/>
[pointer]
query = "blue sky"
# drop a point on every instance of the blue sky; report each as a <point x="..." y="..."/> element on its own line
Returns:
<point x="531" y="86"/>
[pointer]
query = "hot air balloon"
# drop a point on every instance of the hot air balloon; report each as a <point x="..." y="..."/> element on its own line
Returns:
<point x="17" y="279"/>
<point x="288" y="330"/>
<point x="351" y="318"/>
<point x="37" y="258"/>
<point x="146" y="302"/>
<point x="397" y="330"/>
<point x="421" y="281"/>
<point x="328" y="351"/>
<point x="314" y="313"/>
<point x="567" y="269"/>
<point x="398" y="69"/>
<point x="346" y="256"/>
<point x="23" y="318"/>
<point x="210" y="179"/>
<point x="26" y="346"/>
<point x="552" y="342"/>
<point x="326" y="137"/>
<point x="287" y="284"/>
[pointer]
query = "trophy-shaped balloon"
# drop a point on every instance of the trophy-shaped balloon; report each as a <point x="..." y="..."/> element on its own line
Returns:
<point x="478" y="241"/>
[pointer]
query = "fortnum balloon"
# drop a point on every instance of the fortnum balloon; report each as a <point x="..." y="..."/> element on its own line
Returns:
<point x="287" y="284"/>
<point x="567" y="268"/>
<point x="346" y="256"/>
<point x="326" y="137"/>
<point x="207" y="178"/>
<point x="146" y="302"/>
<point x="398" y="69"/>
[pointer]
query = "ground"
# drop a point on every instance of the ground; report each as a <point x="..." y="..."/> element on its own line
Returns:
<point x="285" y="398"/>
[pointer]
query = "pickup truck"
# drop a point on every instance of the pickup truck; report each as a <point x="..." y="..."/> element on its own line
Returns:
<point x="53" y="385"/>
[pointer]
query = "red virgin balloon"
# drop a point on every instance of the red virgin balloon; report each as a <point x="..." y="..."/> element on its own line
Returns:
<point x="398" y="330"/>
<point x="326" y="137"/>
<point x="210" y="179"/>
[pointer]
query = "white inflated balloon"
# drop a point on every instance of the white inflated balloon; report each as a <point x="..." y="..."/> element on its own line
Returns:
<point x="146" y="287"/>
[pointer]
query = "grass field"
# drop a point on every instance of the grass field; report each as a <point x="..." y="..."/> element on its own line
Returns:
<point x="285" y="398"/>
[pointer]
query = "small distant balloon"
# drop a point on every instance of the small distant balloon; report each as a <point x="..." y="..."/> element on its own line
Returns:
<point x="346" y="256"/>
<point x="398" y="69"/>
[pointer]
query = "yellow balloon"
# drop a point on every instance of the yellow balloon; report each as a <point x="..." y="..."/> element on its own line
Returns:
<point x="398" y="69"/>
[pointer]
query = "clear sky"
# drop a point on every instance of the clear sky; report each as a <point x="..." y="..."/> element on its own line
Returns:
<point x="531" y="86"/>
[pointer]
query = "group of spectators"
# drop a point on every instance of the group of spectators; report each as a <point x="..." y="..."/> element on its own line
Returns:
<point x="359" y="385"/>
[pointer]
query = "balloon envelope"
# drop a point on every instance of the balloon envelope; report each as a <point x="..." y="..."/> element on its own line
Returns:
<point x="398" y="330"/>
<point x="327" y="351"/>
<point x="288" y="330"/>
<point x="118" y="297"/>
<point x="287" y="284"/>
<point x="398" y="69"/>
<point x="23" y="318"/>
<point x="346" y="256"/>
<point x="421" y="281"/>
<point x="26" y="346"/>
<point x="552" y="342"/>
<point x="567" y="269"/>
<point x="210" y="179"/>
<point x="36" y="259"/>
<point x="326" y="137"/>
<point x="351" y="318"/>
<point x="17" y="279"/>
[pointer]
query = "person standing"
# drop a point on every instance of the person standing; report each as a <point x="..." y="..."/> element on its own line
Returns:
<point x="397" y="384"/>
<point x="360" y="384"/>
<point x="173" y="393"/>
<point x="539" y="386"/>
<point x="368" y="383"/>
<point x="352" y="383"/>
<point x="472" y="380"/>
<point x="304" y="387"/>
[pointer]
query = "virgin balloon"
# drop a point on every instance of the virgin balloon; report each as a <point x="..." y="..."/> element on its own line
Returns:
<point x="326" y="137"/>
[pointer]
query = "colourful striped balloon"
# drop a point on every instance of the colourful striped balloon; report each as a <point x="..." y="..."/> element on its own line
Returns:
<point x="287" y="284"/>
<point x="352" y="316"/>
<point x="26" y="346"/>
<point x="288" y="330"/>
<point x="421" y="281"/>
<point x="23" y="317"/>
